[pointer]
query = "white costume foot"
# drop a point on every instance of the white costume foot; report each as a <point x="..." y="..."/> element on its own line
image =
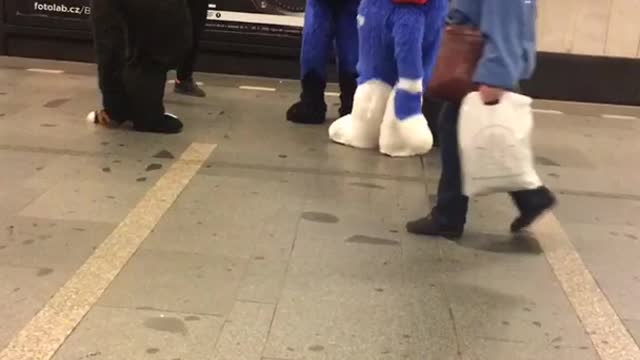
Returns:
<point x="361" y="129"/>
<point x="404" y="138"/>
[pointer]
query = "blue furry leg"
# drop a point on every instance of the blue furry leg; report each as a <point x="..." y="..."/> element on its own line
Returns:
<point x="317" y="39"/>
<point x="347" y="52"/>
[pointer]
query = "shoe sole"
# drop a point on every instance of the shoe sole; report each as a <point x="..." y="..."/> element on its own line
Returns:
<point x="188" y="93"/>
<point x="447" y="235"/>
<point x="532" y="219"/>
<point x="312" y="122"/>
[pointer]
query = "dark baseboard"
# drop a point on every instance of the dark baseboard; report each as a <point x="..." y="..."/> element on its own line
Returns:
<point x="3" y="37"/>
<point x="558" y="76"/>
<point x="598" y="79"/>
<point x="45" y="48"/>
<point x="253" y="65"/>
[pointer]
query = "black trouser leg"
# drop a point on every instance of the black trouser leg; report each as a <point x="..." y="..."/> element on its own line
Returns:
<point x="159" y="33"/>
<point x="145" y="86"/>
<point x="198" y="10"/>
<point x="109" y="27"/>
<point x="452" y="204"/>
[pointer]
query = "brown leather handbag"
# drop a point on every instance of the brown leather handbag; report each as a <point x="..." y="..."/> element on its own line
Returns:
<point x="460" y="52"/>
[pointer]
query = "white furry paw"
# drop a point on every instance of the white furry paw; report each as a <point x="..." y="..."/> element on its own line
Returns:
<point x="361" y="129"/>
<point x="404" y="138"/>
<point x="346" y="132"/>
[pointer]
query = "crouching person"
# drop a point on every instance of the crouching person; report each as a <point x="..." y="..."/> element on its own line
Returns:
<point x="137" y="42"/>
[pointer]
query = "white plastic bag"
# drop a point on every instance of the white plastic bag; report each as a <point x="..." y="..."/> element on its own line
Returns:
<point x="495" y="145"/>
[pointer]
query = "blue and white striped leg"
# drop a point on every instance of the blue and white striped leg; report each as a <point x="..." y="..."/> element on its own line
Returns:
<point x="405" y="131"/>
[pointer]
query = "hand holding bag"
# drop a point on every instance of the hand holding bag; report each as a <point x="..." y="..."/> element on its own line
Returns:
<point x="495" y="145"/>
<point x="460" y="52"/>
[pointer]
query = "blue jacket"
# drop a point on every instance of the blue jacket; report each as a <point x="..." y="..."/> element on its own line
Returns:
<point x="509" y="30"/>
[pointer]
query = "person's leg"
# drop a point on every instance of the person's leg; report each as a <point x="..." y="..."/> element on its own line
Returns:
<point x="432" y="109"/>
<point x="377" y="73"/>
<point x="531" y="204"/>
<point x="449" y="215"/>
<point x="161" y="34"/>
<point x="110" y="46"/>
<point x="416" y="36"/>
<point x="145" y="86"/>
<point x="452" y="204"/>
<point x="347" y="49"/>
<point x="317" y="38"/>
<point x="185" y="83"/>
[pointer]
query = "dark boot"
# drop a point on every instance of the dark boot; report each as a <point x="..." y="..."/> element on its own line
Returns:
<point x="167" y="124"/>
<point x="348" y="86"/>
<point x="532" y="204"/>
<point x="436" y="225"/>
<point x="311" y="109"/>
<point x="189" y="88"/>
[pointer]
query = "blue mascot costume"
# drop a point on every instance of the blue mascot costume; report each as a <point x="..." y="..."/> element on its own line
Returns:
<point x="327" y="22"/>
<point x="399" y="42"/>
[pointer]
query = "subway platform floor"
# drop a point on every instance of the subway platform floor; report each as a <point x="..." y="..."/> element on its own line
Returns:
<point x="247" y="237"/>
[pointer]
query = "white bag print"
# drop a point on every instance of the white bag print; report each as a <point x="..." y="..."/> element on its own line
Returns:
<point x="495" y="145"/>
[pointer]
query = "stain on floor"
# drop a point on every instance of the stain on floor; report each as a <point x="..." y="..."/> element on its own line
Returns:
<point x="164" y="154"/>
<point x="154" y="167"/>
<point x="544" y="161"/>
<point x="320" y="217"/>
<point x="166" y="324"/>
<point x="44" y="272"/>
<point x="368" y="240"/>
<point x="316" y="348"/>
<point x="368" y="185"/>
<point x="56" y="103"/>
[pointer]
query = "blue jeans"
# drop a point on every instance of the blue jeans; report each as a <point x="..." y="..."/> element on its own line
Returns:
<point x="452" y="205"/>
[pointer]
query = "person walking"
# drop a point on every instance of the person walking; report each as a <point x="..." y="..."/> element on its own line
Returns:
<point x="328" y="24"/>
<point x="137" y="42"/>
<point x="185" y="83"/>
<point x="509" y="55"/>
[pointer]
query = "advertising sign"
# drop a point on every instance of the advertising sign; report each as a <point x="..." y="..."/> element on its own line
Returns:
<point x="74" y="9"/>
<point x="263" y="17"/>
<point x="257" y="17"/>
<point x="255" y="26"/>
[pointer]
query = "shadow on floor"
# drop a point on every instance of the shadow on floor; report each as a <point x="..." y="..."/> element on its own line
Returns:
<point x="503" y="244"/>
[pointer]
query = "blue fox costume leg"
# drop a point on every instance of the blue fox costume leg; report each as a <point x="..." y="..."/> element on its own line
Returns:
<point x="329" y="24"/>
<point x="398" y="50"/>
